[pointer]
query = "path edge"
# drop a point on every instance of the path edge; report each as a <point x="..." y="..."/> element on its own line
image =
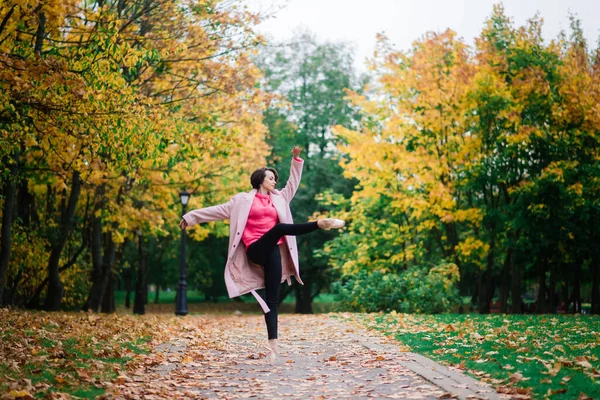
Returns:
<point x="457" y="383"/>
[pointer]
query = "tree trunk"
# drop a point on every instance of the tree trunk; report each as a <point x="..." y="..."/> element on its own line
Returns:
<point x="39" y="35"/>
<point x="485" y="281"/>
<point x="145" y="290"/>
<point x="9" y="298"/>
<point x="505" y="282"/>
<point x="475" y="295"/>
<point x="108" y="299"/>
<point x="485" y="292"/>
<point x="34" y="301"/>
<point x="285" y="291"/>
<point x="127" y="276"/>
<point x="541" y="298"/>
<point x="595" y="266"/>
<point x="515" y="289"/>
<point x="139" y="302"/>
<point x="10" y="192"/>
<point x="552" y="305"/>
<point x="565" y="295"/>
<point x="576" y="296"/>
<point x="55" y="288"/>
<point x="159" y="280"/>
<point x="303" y="297"/>
<point x="452" y="235"/>
<point x="107" y="306"/>
<point x="24" y="204"/>
<point x="102" y="264"/>
<point x="50" y="198"/>
<point x="96" y="291"/>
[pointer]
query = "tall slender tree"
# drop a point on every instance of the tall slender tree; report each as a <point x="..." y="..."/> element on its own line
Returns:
<point x="311" y="80"/>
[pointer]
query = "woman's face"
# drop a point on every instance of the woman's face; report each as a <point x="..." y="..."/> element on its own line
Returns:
<point x="269" y="182"/>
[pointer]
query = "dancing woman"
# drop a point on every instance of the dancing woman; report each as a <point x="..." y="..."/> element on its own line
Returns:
<point x="262" y="245"/>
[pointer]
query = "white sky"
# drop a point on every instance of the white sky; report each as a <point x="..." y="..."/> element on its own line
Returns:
<point x="358" y="21"/>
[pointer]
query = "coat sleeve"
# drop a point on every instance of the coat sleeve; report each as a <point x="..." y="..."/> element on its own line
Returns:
<point x="214" y="213"/>
<point x="293" y="182"/>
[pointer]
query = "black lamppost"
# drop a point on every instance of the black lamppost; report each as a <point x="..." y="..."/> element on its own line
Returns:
<point x="181" y="301"/>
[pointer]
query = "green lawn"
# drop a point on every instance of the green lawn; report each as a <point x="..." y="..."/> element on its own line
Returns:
<point x="163" y="297"/>
<point x="197" y="303"/>
<point x="547" y="355"/>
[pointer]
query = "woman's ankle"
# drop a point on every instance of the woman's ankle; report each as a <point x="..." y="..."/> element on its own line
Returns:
<point x="274" y="345"/>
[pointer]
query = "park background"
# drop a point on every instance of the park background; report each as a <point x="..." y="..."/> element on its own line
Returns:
<point x="467" y="171"/>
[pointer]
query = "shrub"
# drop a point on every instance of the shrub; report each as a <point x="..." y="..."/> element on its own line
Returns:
<point x="416" y="290"/>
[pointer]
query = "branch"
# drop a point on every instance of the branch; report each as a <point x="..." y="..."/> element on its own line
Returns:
<point x="6" y="18"/>
<point x="141" y="12"/>
<point x="174" y="60"/>
<point x="190" y="98"/>
<point x="46" y="108"/>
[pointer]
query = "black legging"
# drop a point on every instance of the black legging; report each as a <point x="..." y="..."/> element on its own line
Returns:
<point x="265" y="252"/>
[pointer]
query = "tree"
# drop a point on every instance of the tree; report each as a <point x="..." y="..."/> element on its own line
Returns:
<point x="408" y="157"/>
<point x="116" y="103"/>
<point x="310" y="80"/>
<point x="479" y="159"/>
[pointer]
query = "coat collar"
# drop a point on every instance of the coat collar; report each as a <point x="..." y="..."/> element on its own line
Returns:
<point x="251" y="194"/>
<point x="275" y="198"/>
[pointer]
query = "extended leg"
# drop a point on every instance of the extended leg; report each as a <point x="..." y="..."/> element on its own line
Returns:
<point x="258" y="251"/>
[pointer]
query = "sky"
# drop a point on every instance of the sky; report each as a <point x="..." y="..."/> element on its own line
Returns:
<point x="357" y="22"/>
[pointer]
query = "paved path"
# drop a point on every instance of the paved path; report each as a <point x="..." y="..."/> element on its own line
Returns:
<point x="321" y="358"/>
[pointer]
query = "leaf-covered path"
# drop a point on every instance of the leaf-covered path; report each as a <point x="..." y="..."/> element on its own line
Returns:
<point x="225" y="357"/>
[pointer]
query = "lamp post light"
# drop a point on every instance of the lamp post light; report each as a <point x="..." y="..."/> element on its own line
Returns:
<point x="181" y="307"/>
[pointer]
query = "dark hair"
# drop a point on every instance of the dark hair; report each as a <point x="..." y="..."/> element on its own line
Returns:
<point x="258" y="176"/>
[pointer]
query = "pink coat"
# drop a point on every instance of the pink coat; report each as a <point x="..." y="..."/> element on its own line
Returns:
<point x="241" y="275"/>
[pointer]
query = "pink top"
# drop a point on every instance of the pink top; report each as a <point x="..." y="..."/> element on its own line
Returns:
<point x="262" y="217"/>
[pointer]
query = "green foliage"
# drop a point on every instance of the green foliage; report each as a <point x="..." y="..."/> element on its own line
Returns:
<point x="77" y="286"/>
<point x="205" y="267"/>
<point x="310" y="80"/>
<point x="418" y="290"/>
<point x="487" y="161"/>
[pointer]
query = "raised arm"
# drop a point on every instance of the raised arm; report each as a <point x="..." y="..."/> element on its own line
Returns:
<point x="293" y="182"/>
<point x="214" y="213"/>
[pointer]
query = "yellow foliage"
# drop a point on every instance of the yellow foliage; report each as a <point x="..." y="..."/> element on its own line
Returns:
<point x="141" y="103"/>
<point x="412" y="154"/>
<point x="472" y="251"/>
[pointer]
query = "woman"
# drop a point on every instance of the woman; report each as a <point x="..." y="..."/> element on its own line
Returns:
<point x="262" y="244"/>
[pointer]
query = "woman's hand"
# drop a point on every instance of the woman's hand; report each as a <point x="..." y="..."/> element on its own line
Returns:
<point x="296" y="151"/>
<point x="183" y="224"/>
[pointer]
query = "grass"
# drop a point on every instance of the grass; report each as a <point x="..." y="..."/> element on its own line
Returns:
<point x="71" y="353"/>
<point x="553" y="356"/>
<point x="197" y="303"/>
<point x="59" y="378"/>
<point x="164" y="297"/>
<point x="81" y="355"/>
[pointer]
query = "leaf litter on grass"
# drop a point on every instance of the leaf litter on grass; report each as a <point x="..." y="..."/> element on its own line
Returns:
<point x="61" y="354"/>
<point x="522" y="355"/>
